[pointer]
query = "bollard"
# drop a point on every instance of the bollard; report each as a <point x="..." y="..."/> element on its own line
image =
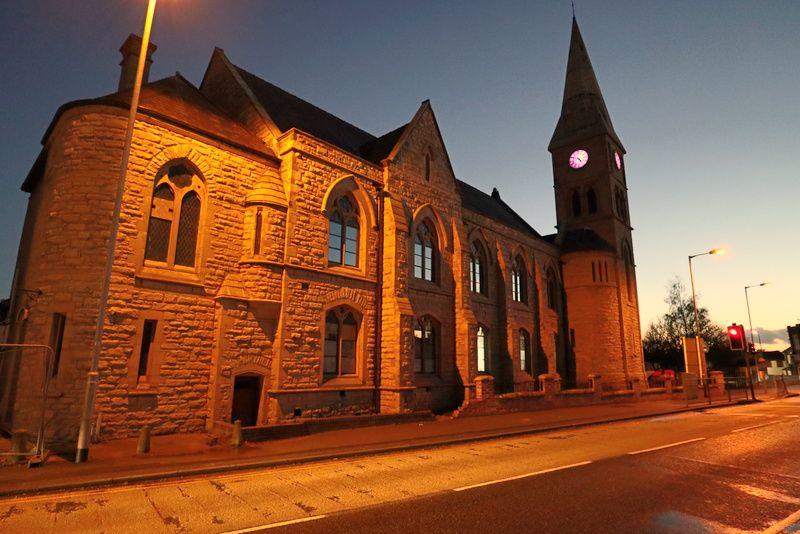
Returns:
<point x="236" y="437"/>
<point x="143" y="447"/>
<point x="19" y="443"/>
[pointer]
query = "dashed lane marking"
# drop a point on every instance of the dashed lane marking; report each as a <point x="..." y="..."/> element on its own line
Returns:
<point x="666" y="446"/>
<point x="526" y="475"/>
<point x="276" y="525"/>
<point x="754" y="426"/>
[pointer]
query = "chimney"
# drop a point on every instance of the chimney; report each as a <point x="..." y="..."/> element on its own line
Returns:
<point x="130" y="60"/>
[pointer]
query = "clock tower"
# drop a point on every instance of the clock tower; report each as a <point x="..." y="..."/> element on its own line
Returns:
<point x="594" y="231"/>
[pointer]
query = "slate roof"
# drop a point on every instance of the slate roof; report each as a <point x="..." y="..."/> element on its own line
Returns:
<point x="289" y="111"/>
<point x="583" y="109"/>
<point x="585" y="240"/>
<point x="492" y="206"/>
<point x="379" y="149"/>
<point x="175" y="100"/>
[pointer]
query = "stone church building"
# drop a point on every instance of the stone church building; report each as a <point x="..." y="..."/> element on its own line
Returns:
<point x="275" y="262"/>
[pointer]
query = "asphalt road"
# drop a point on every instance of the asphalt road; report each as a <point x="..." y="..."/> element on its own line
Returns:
<point x="724" y="470"/>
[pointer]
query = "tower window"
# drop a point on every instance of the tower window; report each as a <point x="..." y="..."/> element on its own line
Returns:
<point x="257" y="233"/>
<point x="576" y="204"/>
<point x="591" y="198"/>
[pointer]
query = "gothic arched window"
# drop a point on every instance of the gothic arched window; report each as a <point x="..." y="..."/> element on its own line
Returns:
<point x="343" y="230"/>
<point x="427" y="167"/>
<point x="591" y="198"/>
<point x="481" y="346"/>
<point x="174" y="224"/>
<point x="341" y="338"/>
<point x="425" y="346"/>
<point x="576" y="204"/>
<point x="425" y="253"/>
<point x="519" y="281"/>
<point x="552" y="289"/>
<point x="524" y="350"/>
<point x="477" y="268"/>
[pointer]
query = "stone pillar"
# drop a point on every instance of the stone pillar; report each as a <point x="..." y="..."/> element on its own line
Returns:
<point x="550" y="384"/>
<point x="716" y="383"/>
<point x="484" y="387"/>
<point x="595" y="383"/>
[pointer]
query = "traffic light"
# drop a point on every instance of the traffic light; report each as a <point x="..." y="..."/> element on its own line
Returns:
<point x="736" y="338"/>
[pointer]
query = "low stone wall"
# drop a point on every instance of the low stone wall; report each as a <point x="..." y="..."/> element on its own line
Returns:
<point x="551" y="396"/>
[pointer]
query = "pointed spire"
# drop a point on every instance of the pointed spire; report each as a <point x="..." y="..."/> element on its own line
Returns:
<point x="583" y="110"/>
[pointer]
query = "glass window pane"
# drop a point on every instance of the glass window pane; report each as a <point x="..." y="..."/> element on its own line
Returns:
<point x="188" y="226"/>
<point x="348" y="357"/>
<point x="157" y="239"/>
<point x="330" y="365"/>
<point x="336" y="227"/>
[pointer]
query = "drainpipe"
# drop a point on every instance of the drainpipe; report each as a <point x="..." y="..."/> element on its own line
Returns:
<point x="379" y="300"/>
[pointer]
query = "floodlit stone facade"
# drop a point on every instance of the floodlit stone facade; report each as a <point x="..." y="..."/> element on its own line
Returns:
<point x="275" y="263"/>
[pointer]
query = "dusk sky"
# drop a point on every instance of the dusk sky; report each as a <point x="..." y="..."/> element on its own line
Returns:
<point x="704" y="95"/>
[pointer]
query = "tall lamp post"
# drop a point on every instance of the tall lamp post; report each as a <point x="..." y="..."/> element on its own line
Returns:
<point x="750" y="318"/>
<point x="82" y="453"/>
<point x="712" y="252"/>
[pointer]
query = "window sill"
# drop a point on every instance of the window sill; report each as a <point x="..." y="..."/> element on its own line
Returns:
<point x="159" y="274"/>
<point x="346" y="270"/>
<point x="334" y="382"/>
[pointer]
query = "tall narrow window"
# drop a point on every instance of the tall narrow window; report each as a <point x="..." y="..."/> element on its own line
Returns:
<point x="424" y="253"/>
<point x="427" y="167"/>
<point x="425" y="346"/>
<point x="477" y="268"/>
<point x="174" y="223"/>
<point x="483" y="364"/>
<point x="519" y="281"/>
<point x="576" y="204"/>
<point x="189" y="223"/>
<point x="148" y="337"/>
<point x="57" y="340"/>
<point x="552" y="289"/>
<point x="257" y="233"/>
<point x="341" y="339"/>
<point x="591" y="198"/>
<point x="343" y="230"/>
<point x="627" y="258"/>
<point x="524" y="350"/>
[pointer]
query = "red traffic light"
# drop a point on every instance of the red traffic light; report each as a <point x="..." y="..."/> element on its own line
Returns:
<point x="736" y="337"/>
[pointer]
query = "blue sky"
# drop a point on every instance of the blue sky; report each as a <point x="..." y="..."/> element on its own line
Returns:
<point x="702" y="94"/>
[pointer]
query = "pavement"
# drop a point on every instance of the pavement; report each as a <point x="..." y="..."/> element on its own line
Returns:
<point x="116" y="462"/>
<point x="729" y="469"/>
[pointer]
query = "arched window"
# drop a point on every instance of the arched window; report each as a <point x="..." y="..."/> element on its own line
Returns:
<point x="576" y="204"/>
<point x="425" y="347"/>
<point x="425" y="253"/>
<point x="177" y="198"/>
<point x="343" y="230"/>
<point x="524" y="350"/>
<point x="477" y="268"/>
<point x="519" y="281"/>
<point x="481" y="345"/>
<point x="341" y="338"/>
<point x="591" y="198"/>
<point x="552" y="289"/>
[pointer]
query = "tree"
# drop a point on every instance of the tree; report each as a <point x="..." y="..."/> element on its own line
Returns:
<point x="662" y="341"/>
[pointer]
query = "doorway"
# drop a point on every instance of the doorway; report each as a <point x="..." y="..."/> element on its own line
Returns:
<point x="246" y="398"/>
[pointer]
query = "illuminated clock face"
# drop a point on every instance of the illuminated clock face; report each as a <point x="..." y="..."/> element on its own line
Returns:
<point x="618" y="160"/>
<point x="578" y="159"/>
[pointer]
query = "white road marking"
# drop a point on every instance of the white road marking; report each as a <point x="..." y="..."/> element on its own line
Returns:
<point x="517" y="477"/>
<point x="667" y="446"/>
<point x="754" y="426"/>
<point x="276" y="525"/>
<point x="782" y="526"/>
<point x="792" y="416"/>
<point x="765" y="493"/>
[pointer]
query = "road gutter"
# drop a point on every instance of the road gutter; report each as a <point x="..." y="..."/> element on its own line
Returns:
<point x="191" y="472"/>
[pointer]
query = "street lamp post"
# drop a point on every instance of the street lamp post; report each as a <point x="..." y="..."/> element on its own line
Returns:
<point x="82" y="453"/>
<point x="750" y="319"/>
<point x="712" y="252"/>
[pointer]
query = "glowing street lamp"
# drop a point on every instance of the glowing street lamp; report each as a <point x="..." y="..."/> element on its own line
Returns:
<point x="712" y="252"/>
<point x="82" y="453"/>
